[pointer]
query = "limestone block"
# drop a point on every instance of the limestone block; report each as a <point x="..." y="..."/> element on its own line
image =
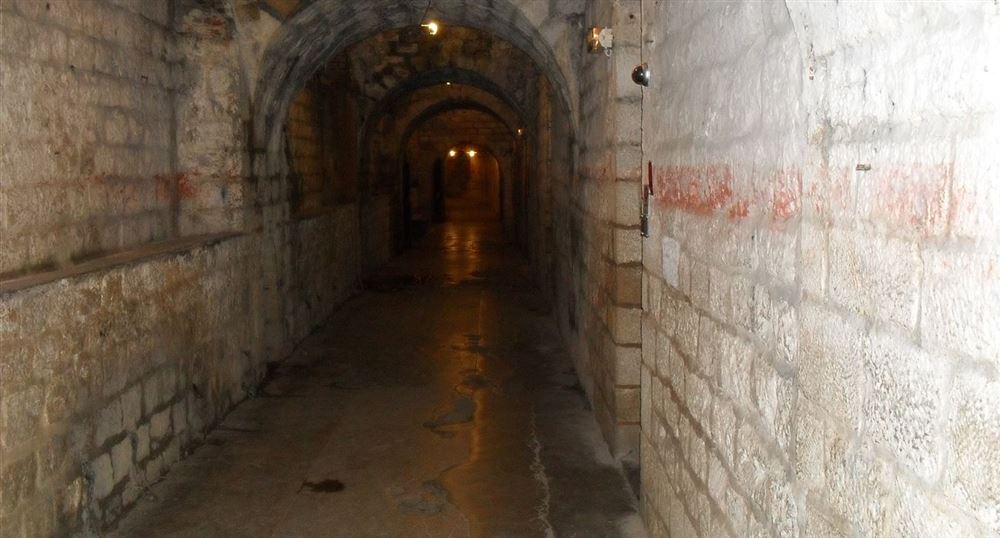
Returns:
<point x="906" y="406"/>
<point x="810" y="446"/>
<point x="121" y="459"/>
<point x="876" y="277"/>
<point x="775" y="396"/>
<point x="973" y="441"/>
<point x="921" y="514"/>
<point x="101" y="476"/>
<point x="627" y="364"/>
<point x="961" y="303"/>
<point x="142" y="442"/>
<point x="109" y="422"/>
<point x="831" y="364"/>
<point x="159" y="425"/>
<point x="626" y="325"/>
<point x="131" y="405"/>
<point x="18" y="484"/>
<point x="21" y="416"/>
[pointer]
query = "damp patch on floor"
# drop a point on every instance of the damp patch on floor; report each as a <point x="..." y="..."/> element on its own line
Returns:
<point x="323" y="486"/>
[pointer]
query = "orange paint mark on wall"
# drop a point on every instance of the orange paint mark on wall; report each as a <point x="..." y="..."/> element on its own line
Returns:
<point x="785" y="200"/>
<point x="830" y="191"/>
<point x="704" y="190"/>
<point x="914" y="197"/>
<point x="700" y="190"/>
<point x="185" y="189"/>
<point x="169" y="185"/>
<point x="601" y="173"/>
<point x="917" y="199"/>
<point x="740" y="210"/>
<point x="785" y="205"/>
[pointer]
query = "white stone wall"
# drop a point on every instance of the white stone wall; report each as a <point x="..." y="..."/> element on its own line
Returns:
<point x="604" y="248"/>
<point x="821" y="350"/>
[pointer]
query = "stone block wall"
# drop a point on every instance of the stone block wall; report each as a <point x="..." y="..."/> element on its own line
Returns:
<point x="820" y="353"/>
<point x="305" y="146"/>
<point x="604" y="305"/>
<point x="100" y="395"/>
<point x="326" y="251"/>
<point x="116" y="355"/>
<point x="322" y="143"/>
<point x="211" y="109"/>
<point x="100" y="175"/>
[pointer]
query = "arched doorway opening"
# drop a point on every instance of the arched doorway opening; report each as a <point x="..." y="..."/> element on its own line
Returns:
<point x="472" y="183"/>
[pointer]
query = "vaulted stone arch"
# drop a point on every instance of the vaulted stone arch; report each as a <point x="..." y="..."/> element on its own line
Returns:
<point x="287" y="56"/>
<point x="461" y="80"/>
<point x="316" y="32"/>
<point x="387" y="134"/>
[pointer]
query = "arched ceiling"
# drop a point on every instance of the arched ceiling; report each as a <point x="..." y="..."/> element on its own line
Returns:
<point x="445" y="107"/>
<point x="397" y="120"/>
<point x="314" y="33"/>
<point x="435" y="127"/>
<point x="388" y="62"/>
<point x="464" y="83"/>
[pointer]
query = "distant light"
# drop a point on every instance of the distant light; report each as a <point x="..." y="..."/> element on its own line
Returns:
<point x="432" y="27"/>
<point x="452" y="153"/>
<point x="520" y="131"/>
<point x="448" y="83"/>
<point x="471" y="153"/>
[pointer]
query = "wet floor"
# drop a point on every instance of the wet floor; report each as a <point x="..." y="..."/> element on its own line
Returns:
<point x="439" y="402"/>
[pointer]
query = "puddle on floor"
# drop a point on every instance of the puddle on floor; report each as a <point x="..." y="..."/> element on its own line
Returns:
<point x="430" y="499"/>
<point x="323" y="486"/>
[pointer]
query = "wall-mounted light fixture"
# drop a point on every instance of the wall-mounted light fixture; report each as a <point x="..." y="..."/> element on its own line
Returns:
<point x="600" y="39"/>
<point x="432" y="27"/>
<point x="452" y="152"/>
<point x="471" y="153"/>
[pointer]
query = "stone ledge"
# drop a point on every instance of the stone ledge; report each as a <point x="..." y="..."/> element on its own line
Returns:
<point x="130" y="256"/>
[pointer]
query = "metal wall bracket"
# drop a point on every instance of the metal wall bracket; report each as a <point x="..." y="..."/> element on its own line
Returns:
<point x="644" y="215"/>
<point x="647" y="193"/>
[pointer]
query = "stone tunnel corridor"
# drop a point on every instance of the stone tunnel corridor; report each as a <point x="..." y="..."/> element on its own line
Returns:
<point x="674" y="268"/>
<point x="463" y="416"/>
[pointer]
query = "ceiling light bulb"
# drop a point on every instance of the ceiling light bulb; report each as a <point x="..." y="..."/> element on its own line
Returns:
<point x="452" y="153"/>
<point x="432" y="27"/>
<point x="471" y="153"/>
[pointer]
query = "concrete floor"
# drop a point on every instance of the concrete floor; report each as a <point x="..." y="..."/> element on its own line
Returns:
<point x="437" y="403"/>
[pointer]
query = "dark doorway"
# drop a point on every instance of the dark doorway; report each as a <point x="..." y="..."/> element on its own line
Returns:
<point x="439" y="194"/>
